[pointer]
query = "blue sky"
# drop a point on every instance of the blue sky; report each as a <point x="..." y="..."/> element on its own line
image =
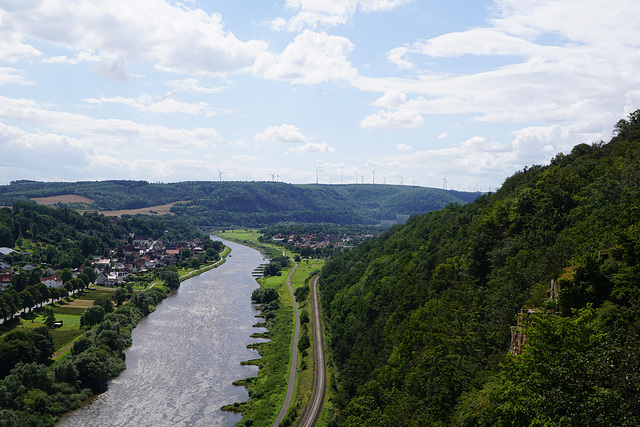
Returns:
<point x="417" y="91"/>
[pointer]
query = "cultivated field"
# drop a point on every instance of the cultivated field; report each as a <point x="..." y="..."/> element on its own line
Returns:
<point x="65" y="199"/>
<point x="152" y="210"/>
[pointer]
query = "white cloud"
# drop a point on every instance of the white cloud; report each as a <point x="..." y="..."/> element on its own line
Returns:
<point x="12" y="76"/>
<point x="391" y="100"/>
<point x="147" y="103"/>
<point x="326" y="13"/>
<point x="79" y="58"/>
<point x="443" y="135"/>
<point x="176" y="38"/>
<point x="310" y="59"/>
<point x="108" y="134"/>
<point x="403" y="119"/>
<point x="284" y="133"/>
<point x="404" y="147"/>
<point x="312" y="147"/>
<point x="193" y="85"/>
<point x="566" y="75"/>
<point x="114" y="69"/>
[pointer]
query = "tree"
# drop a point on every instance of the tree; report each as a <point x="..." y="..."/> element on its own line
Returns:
<point x="77" y="284"/>
<point x="105" y="303"/>
<point x="195" y="263"/>
<point x="302" y="293"/>
<point x="92" y="316"/>
<point x="91" y="274"/>
<point x="92" y="371"/>
<point x="43" y="341"/>
<point x="49" y="316"/>
<point x="120" y="296"/>
<point x="263" y="296"/>
<point x="66" y="275"/>
<point x="27" y="299"/>
<point x="304" y="317"/>
<point x="171" y="279"/>
<point x="304" y="343"/>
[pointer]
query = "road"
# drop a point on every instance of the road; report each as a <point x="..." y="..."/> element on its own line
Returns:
<point x="291" y="385"/>
<point x="319" y="377"/>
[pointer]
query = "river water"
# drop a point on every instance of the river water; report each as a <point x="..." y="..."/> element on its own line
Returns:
<point x="186" y="355"/>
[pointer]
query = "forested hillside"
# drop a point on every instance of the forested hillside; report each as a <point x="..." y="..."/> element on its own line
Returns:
<point x="251" y="204"/>
<point x="420" y="319"/>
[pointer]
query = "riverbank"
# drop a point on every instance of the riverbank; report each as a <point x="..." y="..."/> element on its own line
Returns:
<point x="87" y="351"/>
<point x="186" y="356"/>
<point x="267" y="390"/>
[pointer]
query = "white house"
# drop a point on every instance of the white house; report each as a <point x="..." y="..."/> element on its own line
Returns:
<point x="52" y="281"/>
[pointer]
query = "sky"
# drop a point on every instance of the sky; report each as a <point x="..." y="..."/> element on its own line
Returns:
<point x="447" y="94"/>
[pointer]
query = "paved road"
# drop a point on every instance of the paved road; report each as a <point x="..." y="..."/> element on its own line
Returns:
<point x="294" y="357"/>
<point x="319" y="377"/>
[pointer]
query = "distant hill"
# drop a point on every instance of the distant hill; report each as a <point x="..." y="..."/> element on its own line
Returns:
<point x="213" y="203"/>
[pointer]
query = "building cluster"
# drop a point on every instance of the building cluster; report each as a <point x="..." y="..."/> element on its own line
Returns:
<point x="141" y="255"/>
<point x="322" y="240"/>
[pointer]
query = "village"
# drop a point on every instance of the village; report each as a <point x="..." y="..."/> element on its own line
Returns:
<point x="138" y="256"/>
<point x="320" y="243"/>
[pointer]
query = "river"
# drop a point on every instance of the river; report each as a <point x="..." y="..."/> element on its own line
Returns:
<point x="186" y="355"/>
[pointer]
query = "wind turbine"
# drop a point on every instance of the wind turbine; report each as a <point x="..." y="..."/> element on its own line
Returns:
<point x="273" y="176"/>
<point x="220" y="173"/>
<point x="317" y="170"/>
<point x="361" y="179"/>
<point x="444" y="183"/>
<point x="278" y="175"/>
<point x="374" y="175"/>
<point x="401" y="178"/>
<point x="384" y="180"/>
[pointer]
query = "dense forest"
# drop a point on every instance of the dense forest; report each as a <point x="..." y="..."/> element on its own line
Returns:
<point x="248" y="204"/>
<point x="420" y="320"/>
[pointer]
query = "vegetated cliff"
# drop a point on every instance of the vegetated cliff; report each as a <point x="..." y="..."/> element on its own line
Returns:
<point x="419" y="319"/>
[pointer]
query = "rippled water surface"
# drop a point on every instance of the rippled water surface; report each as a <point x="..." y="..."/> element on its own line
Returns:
<point x="186" y="355"/>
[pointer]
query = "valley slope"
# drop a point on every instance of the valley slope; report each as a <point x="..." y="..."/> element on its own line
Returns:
<point x="420" y="320"/>
<point x="248" y="204"/>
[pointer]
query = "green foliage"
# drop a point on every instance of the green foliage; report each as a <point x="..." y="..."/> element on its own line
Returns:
<point x="171" y="279"/>
<point x="49" y="316"/>
<point x="263" y="296"/>
<point x="304" y="317"/>
<point x="92" y="316"/>
<point x="105" y="303"/>
<point x="302" y="293"/>
<point x="249" y="204"/>
<point x="304" y="343"/>
<point x="419" y="320"/>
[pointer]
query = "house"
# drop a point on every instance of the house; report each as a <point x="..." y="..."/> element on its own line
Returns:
<point x="6" y="276"/>
<point x="139" y="263"/>
<point x="107" y="279"/>
<point x="101" y="279"/>
<point x="52" y="282"/>
<point x="5" y="251"/>
<point x="4" y="265"/>
<point x="50" y="272"/>
<point x="142" y="242"/>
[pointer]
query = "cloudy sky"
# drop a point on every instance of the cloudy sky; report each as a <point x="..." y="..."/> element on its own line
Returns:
<point x="299" y="90"/>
